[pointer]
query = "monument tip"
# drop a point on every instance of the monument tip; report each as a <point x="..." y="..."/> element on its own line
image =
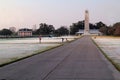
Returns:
<point x="86" y="11"/>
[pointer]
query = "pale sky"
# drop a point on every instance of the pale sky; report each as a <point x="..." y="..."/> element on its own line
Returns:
<point x="26" y="13"/>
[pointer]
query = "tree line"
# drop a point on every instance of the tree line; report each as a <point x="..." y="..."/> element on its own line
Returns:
<point x="111" y="30"/>
<point x="45" y="29"/>
<point x="49" y="30"/>
<point x="6" y="32"/>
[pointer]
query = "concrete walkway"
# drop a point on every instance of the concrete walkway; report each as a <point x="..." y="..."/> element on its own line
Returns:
<point x="79" y="60"/>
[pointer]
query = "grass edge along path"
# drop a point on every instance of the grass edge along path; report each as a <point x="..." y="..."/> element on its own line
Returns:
<point x="116" y="65"/>
<point x="34" y="53"/>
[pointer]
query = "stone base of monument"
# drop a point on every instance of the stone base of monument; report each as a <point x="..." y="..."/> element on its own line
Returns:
<point x="86" y="33"/>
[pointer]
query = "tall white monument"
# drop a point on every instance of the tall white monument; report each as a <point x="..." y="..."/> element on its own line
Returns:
<point x="86" y="28"/>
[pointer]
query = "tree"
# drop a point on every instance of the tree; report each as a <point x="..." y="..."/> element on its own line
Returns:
<point x="62" y="31"/>
<point x="103" y="30"/>
<point x="45" y="29"/>
<point x="116" y="27"/>
<point x="51" y="29"/>
<point x="92" y="26"/>
<point x="75" y="27"/>
<point x="5" y="32"/>
<point x="110" y="30"/>
<point x="100" y="24"/>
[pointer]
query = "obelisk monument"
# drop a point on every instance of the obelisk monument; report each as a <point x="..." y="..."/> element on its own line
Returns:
<point x="86" y="28"/>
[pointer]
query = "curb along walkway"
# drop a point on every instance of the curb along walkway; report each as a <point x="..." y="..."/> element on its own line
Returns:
<point x="79" y="60"/>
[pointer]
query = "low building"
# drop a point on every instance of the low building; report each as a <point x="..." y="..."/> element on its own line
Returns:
<point x="25" y="32"/>
<point x="91" y="31"/>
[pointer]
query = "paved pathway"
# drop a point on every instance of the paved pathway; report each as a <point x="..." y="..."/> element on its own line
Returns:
<point x="79" y="60"/>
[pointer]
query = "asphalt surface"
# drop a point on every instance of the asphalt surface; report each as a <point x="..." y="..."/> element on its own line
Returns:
<point x="79" y="60"/>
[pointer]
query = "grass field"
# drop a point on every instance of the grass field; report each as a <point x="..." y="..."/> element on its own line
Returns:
<point x="13" y="49"/>
<point x="111" y="47"/>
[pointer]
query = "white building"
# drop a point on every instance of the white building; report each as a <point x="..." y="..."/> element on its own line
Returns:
<point x="25" y="32"/>
<point x="91" y="31"/>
